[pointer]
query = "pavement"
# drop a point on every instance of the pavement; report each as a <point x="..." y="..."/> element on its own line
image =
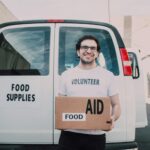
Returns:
<point x="143" y="134"/>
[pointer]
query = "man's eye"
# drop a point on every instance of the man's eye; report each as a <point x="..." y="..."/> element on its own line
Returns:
<point x="93" y="48"/>
<point x="86" y="47"/>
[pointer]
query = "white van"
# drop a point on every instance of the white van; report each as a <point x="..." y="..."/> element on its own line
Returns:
<point x="32" y="56"/>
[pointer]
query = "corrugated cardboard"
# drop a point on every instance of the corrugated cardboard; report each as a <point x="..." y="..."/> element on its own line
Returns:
<point x="73" y="108"/>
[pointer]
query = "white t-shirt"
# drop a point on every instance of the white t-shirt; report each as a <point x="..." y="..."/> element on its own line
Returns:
<point x="95" y="82"/>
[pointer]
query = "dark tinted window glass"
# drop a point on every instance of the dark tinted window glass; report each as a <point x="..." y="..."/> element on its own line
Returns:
<point x="25" y="51"/>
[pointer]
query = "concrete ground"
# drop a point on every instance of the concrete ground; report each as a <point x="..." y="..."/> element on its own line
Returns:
<point x="143" y="134"/>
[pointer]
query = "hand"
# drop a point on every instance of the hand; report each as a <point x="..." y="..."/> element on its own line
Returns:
<point x="111" y="122"/>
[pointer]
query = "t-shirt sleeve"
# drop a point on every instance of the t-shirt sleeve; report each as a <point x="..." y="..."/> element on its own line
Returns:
<point x="113" y="86"/>
<point x="62" y="84"/>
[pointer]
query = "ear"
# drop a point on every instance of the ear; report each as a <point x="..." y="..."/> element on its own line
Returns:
<point x="78" y="53"/>
<point x="97" y="55"/>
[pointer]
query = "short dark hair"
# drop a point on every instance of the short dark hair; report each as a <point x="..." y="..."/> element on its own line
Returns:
<point x="87" y="37"/>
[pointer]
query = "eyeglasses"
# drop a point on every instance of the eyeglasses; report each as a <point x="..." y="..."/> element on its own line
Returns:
<point x="92" y="48"/>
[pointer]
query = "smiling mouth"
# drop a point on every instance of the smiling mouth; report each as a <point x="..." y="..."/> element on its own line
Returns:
<point x="88" y="55"/>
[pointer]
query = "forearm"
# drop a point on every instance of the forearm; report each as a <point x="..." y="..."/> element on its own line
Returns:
<point x="116" y="112"/>
<point x="116" y="108"/>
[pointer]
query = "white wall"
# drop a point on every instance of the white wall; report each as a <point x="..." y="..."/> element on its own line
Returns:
<point x="5" y="14"/>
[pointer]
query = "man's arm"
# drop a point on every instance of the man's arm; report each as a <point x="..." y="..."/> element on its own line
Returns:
<point x="116" y="110"/>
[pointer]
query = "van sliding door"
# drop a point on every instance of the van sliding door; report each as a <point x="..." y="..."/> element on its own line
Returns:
<point x="26" y="84"/>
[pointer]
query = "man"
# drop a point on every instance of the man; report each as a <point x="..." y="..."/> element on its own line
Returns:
<point x="88" y="79"/>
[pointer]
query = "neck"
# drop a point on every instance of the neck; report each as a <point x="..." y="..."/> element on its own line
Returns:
<point x="87" y="66"/>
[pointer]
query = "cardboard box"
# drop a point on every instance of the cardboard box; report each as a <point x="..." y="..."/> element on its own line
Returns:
<point x="82" y="112"/>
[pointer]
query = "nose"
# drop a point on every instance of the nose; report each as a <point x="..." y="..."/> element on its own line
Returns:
<point x="89" y="50"/>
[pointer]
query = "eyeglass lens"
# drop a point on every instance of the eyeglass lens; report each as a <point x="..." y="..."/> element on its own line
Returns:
<point x="93" y="48"/>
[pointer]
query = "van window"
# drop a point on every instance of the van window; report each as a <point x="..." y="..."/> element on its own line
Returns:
<point x="68" y="37"/>
<point x="25" y="51"/>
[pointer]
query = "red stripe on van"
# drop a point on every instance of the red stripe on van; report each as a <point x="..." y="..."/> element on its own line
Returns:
<point x="55" y="21"/>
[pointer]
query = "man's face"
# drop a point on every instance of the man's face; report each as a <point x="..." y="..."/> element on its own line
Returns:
<point x="88" y="51"/>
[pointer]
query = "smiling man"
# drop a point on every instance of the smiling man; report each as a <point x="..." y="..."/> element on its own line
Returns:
<point x="88" y="79"/>
<point x="88" y="51"/>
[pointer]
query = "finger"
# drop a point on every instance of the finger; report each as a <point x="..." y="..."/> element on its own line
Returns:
<point x="110" y="121"/>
